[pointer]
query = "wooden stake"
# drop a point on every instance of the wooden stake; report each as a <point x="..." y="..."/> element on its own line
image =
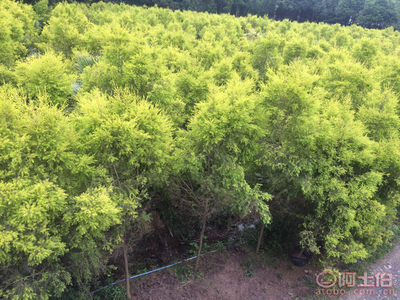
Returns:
<point x="260" y="237"/>
<point x="127" y="280"/>
<point x="203" y="229"/>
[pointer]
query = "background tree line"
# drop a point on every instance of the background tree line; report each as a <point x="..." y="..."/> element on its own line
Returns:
<point x="366" y="13"/>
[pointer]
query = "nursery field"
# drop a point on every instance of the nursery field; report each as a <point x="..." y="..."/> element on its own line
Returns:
<point x="122" y="124"/>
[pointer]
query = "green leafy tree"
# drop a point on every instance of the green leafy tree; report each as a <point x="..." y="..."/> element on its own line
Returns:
<point x="294" y="50"/>
<point x="347" y="10"/>
<point x="17" y="30"/>
<point x="53" y="216"/>
<point x="65" y="28"/>
<point x="132" y="141"/>
<point x="192" y="90"/>
<point x="390" y="74"/>
<point x="221" y="138"/>
<point x="378" y="14"/>
<point x="265" y="54"/>
<point x="322" y="155"/>
<point x="41" y="224"/>
<point x="125" y="64"/>
<point x="46" y="74"/>
<point x="365" y="52"/>
<point x="344" y="79"/>
<point x="42" y="10"/>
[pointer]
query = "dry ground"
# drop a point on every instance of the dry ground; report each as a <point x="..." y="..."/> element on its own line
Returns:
<point x="229" y="275"/>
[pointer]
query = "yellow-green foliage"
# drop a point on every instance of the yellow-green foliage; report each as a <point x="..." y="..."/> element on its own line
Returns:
<point x="48" y="75"/>
<point x="16" y="30"/>
<point x="50" y="206"/>
<point x="114" y="107"/>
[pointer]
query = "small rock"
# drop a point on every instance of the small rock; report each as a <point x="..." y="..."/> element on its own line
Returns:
<point x="388" y="266"/>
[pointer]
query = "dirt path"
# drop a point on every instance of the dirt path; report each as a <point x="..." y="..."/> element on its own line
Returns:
<point x="391" y="264"/>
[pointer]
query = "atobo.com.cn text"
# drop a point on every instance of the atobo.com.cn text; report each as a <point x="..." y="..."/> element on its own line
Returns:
<point x="333" y="284"/>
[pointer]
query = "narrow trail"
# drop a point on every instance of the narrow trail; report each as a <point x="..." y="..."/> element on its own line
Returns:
<point x="390" y="264"/>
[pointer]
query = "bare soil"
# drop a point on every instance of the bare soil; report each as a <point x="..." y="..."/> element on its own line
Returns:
<point x="230" y="275"/>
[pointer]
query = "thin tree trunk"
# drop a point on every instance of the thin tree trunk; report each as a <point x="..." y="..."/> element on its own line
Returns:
<point x="127" y="280"/>
<point x="301" y="252"/>
<point x="203" y="228"/>
<point x="260" y="237"/>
